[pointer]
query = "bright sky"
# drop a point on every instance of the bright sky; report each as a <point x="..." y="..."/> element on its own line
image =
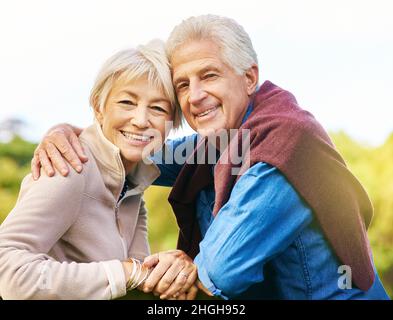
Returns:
<point x="335" y="56"/>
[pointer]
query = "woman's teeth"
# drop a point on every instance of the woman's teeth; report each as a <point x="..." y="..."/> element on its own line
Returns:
<point x="136" y="136"/>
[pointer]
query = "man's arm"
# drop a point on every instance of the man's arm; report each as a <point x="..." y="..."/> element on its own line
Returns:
<point x="263" y="216"/>
<point x="59" y="146"/>
<point x="171" y="158"/>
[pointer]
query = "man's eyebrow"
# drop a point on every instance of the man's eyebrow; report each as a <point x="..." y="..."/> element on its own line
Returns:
<point x="178" y="80"/>
<point x="200" y="72"/>
<point x="208" y="68"/>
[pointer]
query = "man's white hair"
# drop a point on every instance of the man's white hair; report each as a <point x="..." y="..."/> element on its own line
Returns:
<point x="235" y="44"/>
<point x="147" y="60"/>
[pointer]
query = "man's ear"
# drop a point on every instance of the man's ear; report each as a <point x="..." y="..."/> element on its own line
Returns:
<point x="252" y="77"/>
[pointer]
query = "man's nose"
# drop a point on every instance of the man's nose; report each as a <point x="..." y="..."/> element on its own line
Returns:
<point x="140" y="118"/>
<point x="196" y="94"/>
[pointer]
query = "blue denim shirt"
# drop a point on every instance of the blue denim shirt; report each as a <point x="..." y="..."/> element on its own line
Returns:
<point x="264" y="243"/>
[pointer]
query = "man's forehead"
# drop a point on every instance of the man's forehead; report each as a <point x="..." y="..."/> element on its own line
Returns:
<point x="197" y="65"/>
<point x="195" y="50"/>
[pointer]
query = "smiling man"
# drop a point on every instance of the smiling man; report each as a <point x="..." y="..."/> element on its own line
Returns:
<point x="287" y="223"/>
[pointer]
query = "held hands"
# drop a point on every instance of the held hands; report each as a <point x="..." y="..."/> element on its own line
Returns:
<point x="173" y="277"/>
<point x="59" y="147"/>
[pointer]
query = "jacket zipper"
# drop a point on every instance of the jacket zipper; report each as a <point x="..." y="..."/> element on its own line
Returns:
<point x="123" y="242"/>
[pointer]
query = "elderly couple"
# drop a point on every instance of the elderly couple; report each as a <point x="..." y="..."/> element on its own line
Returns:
<point x="290" y="224"/>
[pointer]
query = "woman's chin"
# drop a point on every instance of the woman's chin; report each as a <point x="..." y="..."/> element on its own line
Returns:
<point x="132" y="158"/>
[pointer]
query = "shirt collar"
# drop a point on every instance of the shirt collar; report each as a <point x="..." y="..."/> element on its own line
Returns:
<point x="248" y="112"/>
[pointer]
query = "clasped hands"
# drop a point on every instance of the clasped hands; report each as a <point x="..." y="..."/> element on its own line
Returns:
<point x="173" y="276"/>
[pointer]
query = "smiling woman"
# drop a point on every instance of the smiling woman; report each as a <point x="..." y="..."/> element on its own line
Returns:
<point x="84" y="236"/>
<point x="135" y="115"/>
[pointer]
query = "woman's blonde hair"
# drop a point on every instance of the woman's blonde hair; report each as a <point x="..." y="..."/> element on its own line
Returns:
<point x="145" y="60"/>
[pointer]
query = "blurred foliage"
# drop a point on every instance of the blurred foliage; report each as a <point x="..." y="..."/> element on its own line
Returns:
<point x="372" y="166"/>
<point x="163" y="228"/>
<point x="18" y="149"/>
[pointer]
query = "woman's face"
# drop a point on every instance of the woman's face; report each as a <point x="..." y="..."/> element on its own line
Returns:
<point x="134" y="119"/>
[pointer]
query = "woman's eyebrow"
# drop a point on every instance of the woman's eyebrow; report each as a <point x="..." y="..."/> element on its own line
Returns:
<point x="154" y="100"/>
<point x="130" y="93"/>
<point x="159" y="100"/>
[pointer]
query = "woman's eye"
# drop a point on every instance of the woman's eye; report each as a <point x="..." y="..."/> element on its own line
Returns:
<point x="158" y="108"/>
<point x="127" y="102"/>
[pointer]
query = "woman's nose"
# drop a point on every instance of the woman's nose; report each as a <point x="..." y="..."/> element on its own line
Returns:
<point x="140" y="118"/>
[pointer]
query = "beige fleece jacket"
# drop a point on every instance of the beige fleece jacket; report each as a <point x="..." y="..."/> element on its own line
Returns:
<point x="66" y="236"/>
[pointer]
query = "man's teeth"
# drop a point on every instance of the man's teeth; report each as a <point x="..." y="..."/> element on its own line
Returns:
<point x="136" y="136"/>
<point x="206" y="112"/>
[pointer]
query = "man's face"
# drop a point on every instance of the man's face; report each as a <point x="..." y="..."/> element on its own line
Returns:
<point x="211" y="95"/>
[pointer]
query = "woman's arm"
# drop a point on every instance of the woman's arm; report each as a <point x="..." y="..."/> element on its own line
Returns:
<point x="61" y="146"/>
<point x="139" y="247"/>
<point x="44" y="212"/>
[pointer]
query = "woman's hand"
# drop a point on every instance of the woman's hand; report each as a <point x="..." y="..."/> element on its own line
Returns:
<point x="173" y="275"/>
<point x="59" y="146"/>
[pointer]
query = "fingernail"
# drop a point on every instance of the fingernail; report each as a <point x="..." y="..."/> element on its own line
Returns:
<point x="79" y="168"/>
<point x="163" y="297"/>
<point x="64" y="172"/>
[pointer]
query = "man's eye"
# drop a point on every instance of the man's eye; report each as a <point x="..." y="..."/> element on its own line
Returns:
<point x="210" y="75"/>
<point x="182" y="86"/>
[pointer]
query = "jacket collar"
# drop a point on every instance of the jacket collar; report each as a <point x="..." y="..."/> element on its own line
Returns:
<point x="111" y="167"/>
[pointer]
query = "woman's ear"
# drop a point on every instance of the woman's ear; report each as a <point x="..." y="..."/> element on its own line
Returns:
<point x="97" y="112"/>
<point x="252" y="77"/>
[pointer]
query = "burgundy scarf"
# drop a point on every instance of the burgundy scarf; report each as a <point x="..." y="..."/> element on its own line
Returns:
<point x="290" y="139"/>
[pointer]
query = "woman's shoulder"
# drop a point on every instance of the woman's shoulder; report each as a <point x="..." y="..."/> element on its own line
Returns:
<point x="55" y="186"/>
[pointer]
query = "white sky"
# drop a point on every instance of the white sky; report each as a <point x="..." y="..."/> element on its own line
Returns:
<point x="335" y="56"/>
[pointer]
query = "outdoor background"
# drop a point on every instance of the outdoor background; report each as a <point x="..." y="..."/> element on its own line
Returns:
<point x="335" y="56"/>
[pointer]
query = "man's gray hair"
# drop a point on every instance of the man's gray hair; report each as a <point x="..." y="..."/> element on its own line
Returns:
<point x="234" y="42"/>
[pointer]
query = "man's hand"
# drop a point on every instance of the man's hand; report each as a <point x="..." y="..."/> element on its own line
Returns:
<point x="190" y="294"/>
<point x="60" y="142"/>
<point x="201" y="287"/>
<point x="173" y="275"/>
